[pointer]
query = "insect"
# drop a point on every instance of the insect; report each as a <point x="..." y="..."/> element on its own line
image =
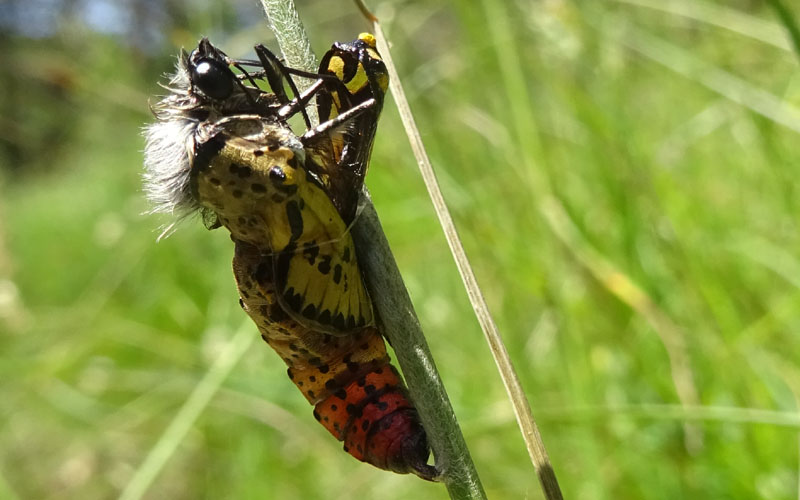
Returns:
<point x="223" y="146"/>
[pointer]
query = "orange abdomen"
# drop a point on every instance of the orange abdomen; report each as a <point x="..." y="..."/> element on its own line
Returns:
<point x="377" y="422"/>
<point x="358" y="395"/>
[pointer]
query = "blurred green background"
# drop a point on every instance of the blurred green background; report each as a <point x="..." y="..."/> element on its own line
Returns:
<point x="623" y="174"/>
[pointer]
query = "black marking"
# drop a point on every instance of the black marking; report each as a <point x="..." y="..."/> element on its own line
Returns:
<point x="311" y="394"/>
<point x="338" y="321"/>
<point x="310" y="311"/>
<point x="369" y="389"/>
<point x="294" y="300"/>
<point x="334" y="407"/>
<point x="331" y="385"/>
<point x="288" y="189"/>
<point x="337" y="274"/>
<point x="314" y="361"/>
<point x="317" y="416"/>
<point x="323" y="368"/>
<point x="341" y="394"/>
<point x="244" y="172"/>
<point x="349" y="68"/>
<point x="311" y="251"/>
<point x="237" y="193"/>
<point x="325" y="318"/>
<point x="324" y="265"/>
<point x="354" y="410"/>
<point x="312" y="378"/>
<point x="364" y="426"/>
<point x="203" y="155"/>
<point x="295" y="219"/>
<point x="346" y="254"/>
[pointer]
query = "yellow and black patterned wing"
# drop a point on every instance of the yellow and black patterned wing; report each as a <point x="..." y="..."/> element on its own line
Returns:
<point x="315" y="271"/>
<point x="315" y="268"/>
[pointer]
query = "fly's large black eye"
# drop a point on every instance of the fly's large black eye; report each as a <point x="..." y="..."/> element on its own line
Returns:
<point x="213" y="78"/>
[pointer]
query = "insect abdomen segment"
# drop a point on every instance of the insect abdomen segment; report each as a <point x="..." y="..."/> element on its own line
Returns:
<point x="358" y="395"/>
<point x="377" y="422"/>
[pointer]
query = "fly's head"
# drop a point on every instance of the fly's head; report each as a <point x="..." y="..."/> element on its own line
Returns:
<point x="205" y="88"/>
<point x="203" y="92"/>
<point x="359" y="66"/>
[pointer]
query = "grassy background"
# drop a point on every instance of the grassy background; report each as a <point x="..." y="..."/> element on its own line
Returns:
<point x="623" y="174"/>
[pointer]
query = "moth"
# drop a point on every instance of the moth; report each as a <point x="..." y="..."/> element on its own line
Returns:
<point x="222" y="146"/>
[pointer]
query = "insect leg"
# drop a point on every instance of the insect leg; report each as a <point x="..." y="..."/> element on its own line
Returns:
<point x="339" y="120"/>
<point x="301" y="101"/>
<point x="276" y="72"/>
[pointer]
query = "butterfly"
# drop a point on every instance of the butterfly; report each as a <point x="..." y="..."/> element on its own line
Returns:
<point x="222" y="145"/>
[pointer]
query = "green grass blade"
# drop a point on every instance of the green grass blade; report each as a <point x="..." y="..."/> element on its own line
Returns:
<point x="197" y="401"/>
<point x="787" y="18"/>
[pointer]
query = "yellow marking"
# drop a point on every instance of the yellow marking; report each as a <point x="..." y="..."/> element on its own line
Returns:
<point x="358" y="81"/>
<point x="368" y="38"/>
<point x="383" y="81"/>
<point x="336" y="66"/>
<point x="374" y="54"/>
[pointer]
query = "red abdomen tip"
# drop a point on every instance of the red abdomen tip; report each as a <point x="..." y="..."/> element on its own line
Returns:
<point x="378" y="424"/>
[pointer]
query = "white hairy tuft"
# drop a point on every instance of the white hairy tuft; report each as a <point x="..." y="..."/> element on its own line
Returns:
<point x="169" y="146"/>
<point x="167" y="162"/>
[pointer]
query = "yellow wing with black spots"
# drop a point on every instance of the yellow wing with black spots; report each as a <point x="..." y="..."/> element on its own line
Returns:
<point x="315" y="270"/>
<point x="266" y="198"/>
